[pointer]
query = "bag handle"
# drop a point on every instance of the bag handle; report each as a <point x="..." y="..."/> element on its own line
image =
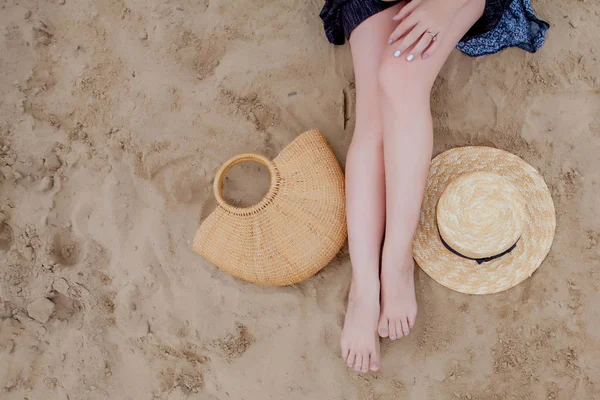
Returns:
<point x="240" y="158"/>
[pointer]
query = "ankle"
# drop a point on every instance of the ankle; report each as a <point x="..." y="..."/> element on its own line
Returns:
<point x="396" y="249"/>
<point x="400" y="258"/>
<point x="365" y="287"/>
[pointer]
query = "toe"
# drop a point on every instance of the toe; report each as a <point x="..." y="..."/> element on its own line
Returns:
<point x="406" y="327"/>
<point x="399" y="330"/>
<point x="383" y="327"/>
<point x="358" y="363"/>
<point x="411" y="320"/>
<point x="365" y="363"/>
<point x="345" y="351"/>
<point x="392" y="328"/>
<point x="351" y="358"/>
<point x="374" y="362"/>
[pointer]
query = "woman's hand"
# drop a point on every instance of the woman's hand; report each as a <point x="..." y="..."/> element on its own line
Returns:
<point x="422" y="24"/>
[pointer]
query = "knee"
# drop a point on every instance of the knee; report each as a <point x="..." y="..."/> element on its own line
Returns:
<point x="398" y="78"/>
<point x="368" y="130"/>
<point x="371" y="139"/>
<point x="366" y="142"/>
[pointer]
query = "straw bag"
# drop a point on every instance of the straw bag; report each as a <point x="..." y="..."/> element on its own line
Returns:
<point x="294" y="231"/>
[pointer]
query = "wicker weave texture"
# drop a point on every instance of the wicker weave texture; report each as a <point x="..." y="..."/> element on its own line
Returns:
<point x="292" y="233"/>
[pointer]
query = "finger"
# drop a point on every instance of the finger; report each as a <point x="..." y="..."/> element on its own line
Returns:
<point x="406" y="10"/>
<point x="410" y="40"/>
<point x="432" y="47"/>
<point x="402" y="28"/>
<point x="421" y="46"/>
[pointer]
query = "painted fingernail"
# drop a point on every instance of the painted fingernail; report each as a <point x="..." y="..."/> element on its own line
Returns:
<point x="410" y="57"/>
<point x="390" y="41"/>
<point x="397" y="53"/>
<point x="425" y="56"/>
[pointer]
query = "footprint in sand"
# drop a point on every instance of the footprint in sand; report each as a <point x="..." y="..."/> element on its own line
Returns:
<point x="65" y="306"/>
<point x="235" y="346"/>
<point x="560" y="118"/>
<point x="199" y="56"/>
<point x="66" y="250"/>
<point x="6" y="233"/>
<point x="182" y="365"/>
<point x="177" y="179"/>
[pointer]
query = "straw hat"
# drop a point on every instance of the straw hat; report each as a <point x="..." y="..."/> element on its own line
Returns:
<point x="294" y="231"/>
<point x="487" y="220"/>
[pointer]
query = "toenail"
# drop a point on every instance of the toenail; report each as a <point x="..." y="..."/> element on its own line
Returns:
<point x="374" y="365"/>
<point x="392" y="337"/>
<point x="384" y="331"/>
<point x="358" y="368"/>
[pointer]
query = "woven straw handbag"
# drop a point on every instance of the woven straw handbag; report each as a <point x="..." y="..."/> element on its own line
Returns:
<point x="294" y="231"/>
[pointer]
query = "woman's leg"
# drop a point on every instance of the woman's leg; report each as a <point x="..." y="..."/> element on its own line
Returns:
<point x="404" y="97"/>
<point x="365" y="194"/>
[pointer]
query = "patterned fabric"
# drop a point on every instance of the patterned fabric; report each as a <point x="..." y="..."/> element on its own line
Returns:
<point x="518" y="26"/>
<point x="504" y="23"/>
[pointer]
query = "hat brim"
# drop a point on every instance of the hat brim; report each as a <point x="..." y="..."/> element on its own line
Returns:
<point x="465" y="275"/>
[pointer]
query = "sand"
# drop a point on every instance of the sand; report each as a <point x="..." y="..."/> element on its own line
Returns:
<point x="115" y="115"/>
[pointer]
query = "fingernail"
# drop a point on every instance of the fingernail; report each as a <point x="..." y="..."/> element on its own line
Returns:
<point x="397" y="53"/>
<point x="374" y="365"/>
<point x="410" y="57"/>
<point x="390" y="41"/>
<point x="425" y="56"/>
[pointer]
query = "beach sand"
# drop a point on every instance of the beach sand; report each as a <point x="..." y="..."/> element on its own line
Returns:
<point x="114" y="117"/>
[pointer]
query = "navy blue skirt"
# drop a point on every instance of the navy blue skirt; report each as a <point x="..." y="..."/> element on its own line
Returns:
<point x="504" y="23"/>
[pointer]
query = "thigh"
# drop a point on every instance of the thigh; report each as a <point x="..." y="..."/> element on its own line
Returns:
<point x="368" y="43"/>
<point x="398" y="74"/>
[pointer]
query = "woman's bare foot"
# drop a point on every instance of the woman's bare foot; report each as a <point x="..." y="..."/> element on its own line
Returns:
<point x="360" y="342"/>
<point x="398" y="302"/>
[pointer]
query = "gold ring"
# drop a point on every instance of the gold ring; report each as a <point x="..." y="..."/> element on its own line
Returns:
<point x="433" y="35"/>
